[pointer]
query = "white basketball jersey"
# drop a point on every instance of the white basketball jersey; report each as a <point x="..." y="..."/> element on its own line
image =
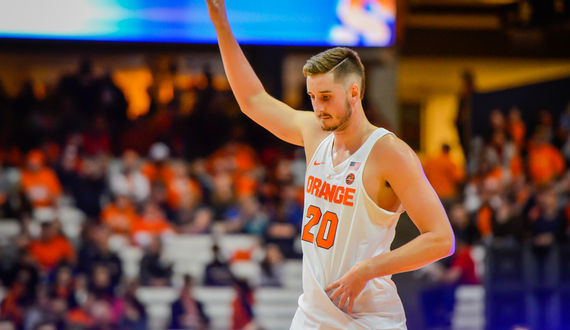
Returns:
<point x="342" y="226"/>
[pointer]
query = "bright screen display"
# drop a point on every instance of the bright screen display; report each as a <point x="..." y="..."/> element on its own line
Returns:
<point x="286" y="22"/>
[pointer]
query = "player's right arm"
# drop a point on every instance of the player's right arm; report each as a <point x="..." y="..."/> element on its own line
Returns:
<point x="277" y="117"/>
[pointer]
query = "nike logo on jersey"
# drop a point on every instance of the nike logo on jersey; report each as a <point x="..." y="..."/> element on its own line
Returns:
<point x="330" y="192"/>
<point x="317" y="164"/>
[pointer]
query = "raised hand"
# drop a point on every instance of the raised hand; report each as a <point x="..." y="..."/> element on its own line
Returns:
<point x="217" y="11"/>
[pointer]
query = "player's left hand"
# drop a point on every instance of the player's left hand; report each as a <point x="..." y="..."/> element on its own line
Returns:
<point x="349" y="286"/>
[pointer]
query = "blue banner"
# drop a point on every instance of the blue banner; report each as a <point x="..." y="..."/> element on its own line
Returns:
<point x="289" y="22"/>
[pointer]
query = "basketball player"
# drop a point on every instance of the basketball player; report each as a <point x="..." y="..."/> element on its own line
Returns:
<point x="359" y="179"/>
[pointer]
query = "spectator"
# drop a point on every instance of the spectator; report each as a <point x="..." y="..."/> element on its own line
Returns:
<point x="40" y="311"/>
<point x="102" y="313"/>
<point x="131" y="312"/>
<point x="545" y="124"/>
<point x="134" y="316"/>
<point x="48" y="325"/>
<point x="497" y="123"/>
<point x="80" y="317"/>
<point x="438" y="300"/>
<point x="187" y="312"/>
<point x="548" y="226"/>
<point x="564" y="131"/>
<point x="120" y="215"/>
<point x="100" y="284"/>
<point x="507" y="225"/>
<point x="7" y="324"/>
<point x="282" y="233"/>
<point x="90" y="186"/>
<point x="545" y="162"/>
<point x="5" y="193"/>
<point x="444" y="175"/>
<point x="242" y="306"/>
<point x="517" y="127"/>
<point x="272" y="267"/>
<point x="52" y="247"/>
<point x="499" y="152"/>
<point x="462" y="224"/>
<point x="223" y="200"/>
<point x="182" y="191"/>
<point x="151" y="223"/>
<point x="464" y="111"/>
<point x="153" y="269"/>
<point x="97" y="139"/>
<point x="129" y="180"/>
<point x="291" y="204"/>
<point x="217" y="272"/>
<point x="95" y="252"/>
<point x="63" y="285"/>
<point x="250" y="218"/>
<point x="157" y="169"/>
<point x="241" y="162"/>
<point x="196" y="222"/>
<point x="22" y="291"/>
<point x="484" y="217"/>
<point x="40" y="183"/>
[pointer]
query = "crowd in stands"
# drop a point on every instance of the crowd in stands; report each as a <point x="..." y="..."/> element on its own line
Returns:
<point x="74" y="145"/>
<point x="512" y="193"/>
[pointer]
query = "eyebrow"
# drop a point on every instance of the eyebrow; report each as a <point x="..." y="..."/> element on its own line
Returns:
<point x="321" y="92"/>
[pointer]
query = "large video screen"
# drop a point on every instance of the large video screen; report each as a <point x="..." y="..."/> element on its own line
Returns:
<point x="285" y="22"/>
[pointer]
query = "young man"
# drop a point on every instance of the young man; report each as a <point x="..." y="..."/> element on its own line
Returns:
<point x="359" y="180"/>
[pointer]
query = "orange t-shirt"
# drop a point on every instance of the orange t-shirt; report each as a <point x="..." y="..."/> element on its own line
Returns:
<point x="485" y="220"/>
<point x="119" y="221"/>
<point x="155" y="227"/>
<point x="177" y="188"/>
<point x="49" y="254"/>
<point x="517" y="131"/>
<point x="79" y="316"/>
<point x="154" y="173"/>
<point x="545" y="162"/>
<point x="42" y="187"/>
<point x="443" y="175"/>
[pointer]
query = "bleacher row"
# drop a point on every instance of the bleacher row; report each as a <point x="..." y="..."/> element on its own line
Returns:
<point x="189" y="254"/>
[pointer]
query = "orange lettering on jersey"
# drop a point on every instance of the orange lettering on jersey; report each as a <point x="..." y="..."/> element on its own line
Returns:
<point x="326" y="187"/>
<point x="348" y="197"/>
<point x="339" y="195"/>
<point x="331" y="193"/>
<point x="316" y="186"/>
<point x="330" y="196"/>
<point x="310" y="182"/>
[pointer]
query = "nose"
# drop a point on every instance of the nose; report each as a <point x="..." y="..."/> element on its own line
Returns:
<point x="318" y="107"/>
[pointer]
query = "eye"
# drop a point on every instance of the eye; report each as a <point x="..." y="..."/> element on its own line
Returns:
<point x="312" y="96"/>
<point x="326" y="97"/>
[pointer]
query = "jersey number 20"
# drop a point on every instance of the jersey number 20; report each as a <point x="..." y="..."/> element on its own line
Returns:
<point x="324" y="239"/>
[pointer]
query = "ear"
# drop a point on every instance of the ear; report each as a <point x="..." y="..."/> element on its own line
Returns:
<point x="354" y="92"/>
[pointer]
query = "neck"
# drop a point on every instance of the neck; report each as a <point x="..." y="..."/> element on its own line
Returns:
<point x="353" y="135"/>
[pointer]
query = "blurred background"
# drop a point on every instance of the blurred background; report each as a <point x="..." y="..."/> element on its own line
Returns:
<point x="135" y="195"/>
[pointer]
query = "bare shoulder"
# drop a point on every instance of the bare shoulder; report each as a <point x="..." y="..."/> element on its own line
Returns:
<point x="394" y="156"/>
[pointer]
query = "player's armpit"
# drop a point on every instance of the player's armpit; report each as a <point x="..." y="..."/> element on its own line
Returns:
<point x="406" y="176"/>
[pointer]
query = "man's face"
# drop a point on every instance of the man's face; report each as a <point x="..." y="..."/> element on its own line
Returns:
<point x="330" y="102"/>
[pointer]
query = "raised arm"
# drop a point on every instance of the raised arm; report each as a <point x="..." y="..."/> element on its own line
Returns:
<point x="277" y="117"/>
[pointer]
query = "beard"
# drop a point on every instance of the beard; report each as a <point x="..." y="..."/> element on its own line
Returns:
<point x="343" y="120"/>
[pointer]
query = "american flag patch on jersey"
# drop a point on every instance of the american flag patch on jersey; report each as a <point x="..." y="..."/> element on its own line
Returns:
<point x="354" y="166"/>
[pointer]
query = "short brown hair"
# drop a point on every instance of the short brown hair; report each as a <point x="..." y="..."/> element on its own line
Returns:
<point x="344" y="61"/>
